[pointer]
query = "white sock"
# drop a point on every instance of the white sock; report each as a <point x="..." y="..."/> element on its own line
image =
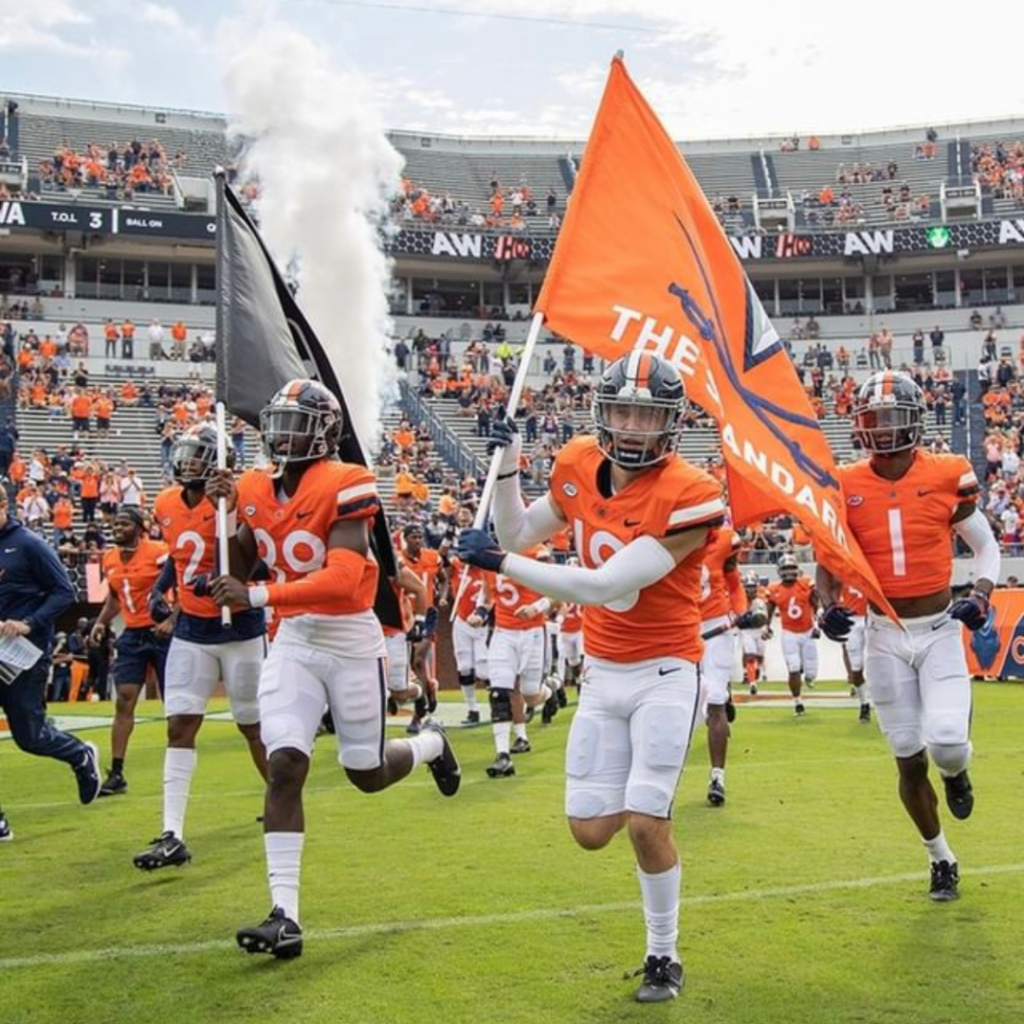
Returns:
<point x="427" y="746"/>
<point x="284" y="862"/>
<point x="501" y="732"/>
<point x="661" y="910"/>
<point x="938" y="849"/>
<point x="520" y="730"/>
<point x="862" y="693"/>
<point x="719" y="774"/>
<point x="469" y="696"/>
<point x="179" y="764"/>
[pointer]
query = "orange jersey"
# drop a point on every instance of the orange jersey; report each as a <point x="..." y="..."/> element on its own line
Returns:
<point x="191" y="535"/>
<point x="715" y="597"/>
<point x="292" y="536"/>
<point x="853" y="599"/>
<point x="427" y="567"/>
<point x="132" y="581"/>
<point x="478" y="591"/>
<point x="510" y="595"/>
<point x="572" y="618"/>
<point x="662" y="620"/>
<point x="794" y="604"/>
<point x="903" y="526"/>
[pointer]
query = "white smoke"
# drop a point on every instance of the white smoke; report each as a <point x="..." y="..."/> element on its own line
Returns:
<point x="325" y="170"/>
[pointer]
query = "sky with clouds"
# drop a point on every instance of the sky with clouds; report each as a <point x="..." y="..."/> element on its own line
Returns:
<point x="537" y="67"/>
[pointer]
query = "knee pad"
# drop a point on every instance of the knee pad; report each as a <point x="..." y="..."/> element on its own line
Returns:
<point x="466" y="679"/>
<point x="950" y="758"/>
<point x="904" y="742"/>
<point x="501" y="705"/>
<point x="666" y="733"/>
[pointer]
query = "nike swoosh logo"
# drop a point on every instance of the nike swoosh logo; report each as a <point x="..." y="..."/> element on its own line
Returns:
<point x="303" y="515"/>
<point x="667" y="671"/>
<point x="631" y="522"/>
<point x="922" y="491"/>
<point x="9" y="551"/>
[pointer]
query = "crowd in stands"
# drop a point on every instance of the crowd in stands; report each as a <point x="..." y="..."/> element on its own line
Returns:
<point x="999" y="168"/>
<point x="504" y="209"/>
<point x="123" y="169"/>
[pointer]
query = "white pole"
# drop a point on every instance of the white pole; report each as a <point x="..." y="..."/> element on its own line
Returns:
<point x="222" y="506"/>
<point x="487" y="495"/>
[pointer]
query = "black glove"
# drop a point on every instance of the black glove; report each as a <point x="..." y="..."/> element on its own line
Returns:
<point x="201" y="585"/>
<point x="478" y="547"/>
<point x="972" y="610"/>
<point x="159" y="609"/>
<point x="504" y="433"/>
<point x="836" y="622"/>
<point x="415" y="635"/>
<point x="749" y="620"/>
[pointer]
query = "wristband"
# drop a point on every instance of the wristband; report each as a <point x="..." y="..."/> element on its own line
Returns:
<point x="259" y="595"/>
<point x="508" y="476"/>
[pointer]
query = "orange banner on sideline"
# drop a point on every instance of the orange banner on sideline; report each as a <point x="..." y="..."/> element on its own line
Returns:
<point x="997" y="649"/>
<point x="642" y="262"/>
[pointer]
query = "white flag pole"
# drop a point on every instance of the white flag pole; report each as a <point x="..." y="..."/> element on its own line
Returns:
<point x="487" y="495"/>
<point x="224" y="561"/>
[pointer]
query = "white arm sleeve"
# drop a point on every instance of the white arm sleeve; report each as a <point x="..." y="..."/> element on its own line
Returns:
<point x="519" y="527"/>
<point x="639" y="564"/>
<point x="977" y="535"/>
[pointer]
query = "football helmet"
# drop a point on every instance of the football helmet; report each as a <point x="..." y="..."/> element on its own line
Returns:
<point x="789" y="569"/>
<point x="888" y="413"/>
<point x="301" y="423"/>
<point x="750" y="584"/>
<point x="638" y="406"/>
<point x="194" y="455"/>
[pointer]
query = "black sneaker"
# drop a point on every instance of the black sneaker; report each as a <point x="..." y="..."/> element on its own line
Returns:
<point x="502" y="767"/>
<point x="87" y="773"/>
<point x="716" y="793"/>
<point x="663" y="978"/>
<point x="730" y="711"/>
<point x="562" y="697"/>
<point x="550" y="708"/>
<point x="166" y="851"/>
<point x="392" y="706"/>
<point x="472" y="718"/>
<point x="445" y="768"/>
<point x="113" y="784"/>
<point x="865" y="714"/>
<point x="945" y="879"/>
<point x="959" y="795"/>
<point x="521" y="746"/>
<point x="6" y="835"/>
<point x="799" y="709"/>
<point x="279" y="936"/>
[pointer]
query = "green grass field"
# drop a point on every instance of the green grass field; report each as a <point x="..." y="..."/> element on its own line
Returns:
<point x="804" y="897"/>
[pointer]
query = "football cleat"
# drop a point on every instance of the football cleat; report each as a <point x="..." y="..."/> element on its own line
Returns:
<point x="945" y="880"/>
<point x="865" y="714"/>
<point x="472" y="718"/>
<point x="278" y="935"/>
<point x="959" y="795"/>
<point x="392" y="706"/>
<point x="166" y="851"/>
<point x="521" y="745"/>
<point x="431" y="696"/>
<point x="562" y="697"/>
<point x="415" y="727"/>
<point x="87" y="774"/>
<point x="799" y="709"/>
<point x="502" y="767"/>
<point x="550" y="708"/>
<point x="716" y="793"/>
<point x="113" y="784"/>
<point x="445" y="768"/>
<point x="753" y="689"/>
<point x="6" y="835"/>
<point x="663" y="978"/>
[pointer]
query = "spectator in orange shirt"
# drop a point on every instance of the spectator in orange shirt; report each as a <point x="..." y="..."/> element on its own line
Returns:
<point x="103" y="407"/>
<point x="110" y="336"/>
<point x="81" y="410"/>
<point x="129" y="393"/>
<point x="127" y="340"/>
<point x="179" y="338"/>
<point x="89" y="491"/>
<point x="62" y="518"/>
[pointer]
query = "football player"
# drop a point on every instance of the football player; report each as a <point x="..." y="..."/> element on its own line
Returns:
<point x="412" y="598"/>
<point x="640" y="517"/>
<point x="203" y="652"/>
<point x="723" y="607"/>
<point x="903" y="505"/>
<point x="515" y="660"/>
<point x="307" y="518"/>
<point x="751" y="639"/>
<point x="570" y="641"/>
<point x="131" y="568"/>
<point x="796" y="598"/>
<point x="853" y="648"/>
<point x="469" y="632"/>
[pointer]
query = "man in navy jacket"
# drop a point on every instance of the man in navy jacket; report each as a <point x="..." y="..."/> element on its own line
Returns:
<point x="34" y="591"/>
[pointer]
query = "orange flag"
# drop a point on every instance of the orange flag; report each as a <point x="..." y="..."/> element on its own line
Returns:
<point x="642" y="262"/>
